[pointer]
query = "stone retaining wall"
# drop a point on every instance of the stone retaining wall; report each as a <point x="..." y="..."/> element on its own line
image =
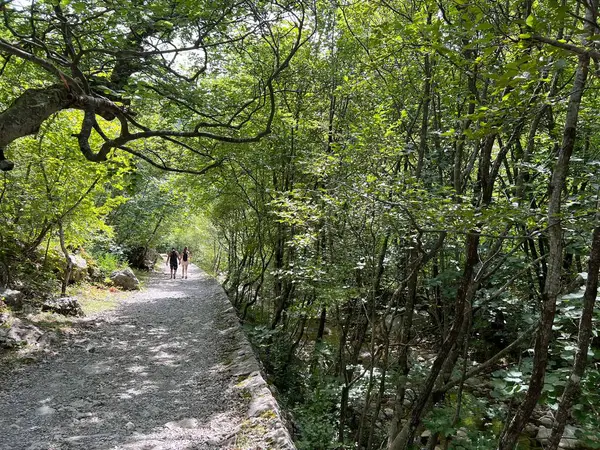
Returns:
<point x="264" y="427"/>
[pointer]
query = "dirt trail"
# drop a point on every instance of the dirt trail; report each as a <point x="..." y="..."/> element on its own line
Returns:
<point x="150" y="375"/>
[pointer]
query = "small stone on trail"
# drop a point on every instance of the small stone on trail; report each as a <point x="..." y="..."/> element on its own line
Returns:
<point x="183" y="423"/>
<point x="130" y="425"/>
<point x="45" y="410"/>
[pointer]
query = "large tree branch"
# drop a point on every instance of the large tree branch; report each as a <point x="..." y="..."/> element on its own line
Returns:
<point x="41" y="62"/>
<point x="490" y="362"/>
<point x="583" y="51"/>
<point x="34" y="106"/>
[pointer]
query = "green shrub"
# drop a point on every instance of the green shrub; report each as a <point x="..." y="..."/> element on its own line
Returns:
<point x="108" y="262"/>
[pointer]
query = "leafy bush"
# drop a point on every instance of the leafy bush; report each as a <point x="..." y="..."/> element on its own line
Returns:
<point x="109" y="262"/>
<point x="317" y="419"/>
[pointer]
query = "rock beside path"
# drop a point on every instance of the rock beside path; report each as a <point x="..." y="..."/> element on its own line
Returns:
<point x="12" y="298"/>
<point x="143" y="258"/>
<point x="15" y="333"/>
<point x="125" y="279"/>
<point x="79" y="271"/>
<point x="264" y="426"/>
<point x="66" y="306"/>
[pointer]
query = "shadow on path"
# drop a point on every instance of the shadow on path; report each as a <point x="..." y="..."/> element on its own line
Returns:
<point x="147" y="376"/>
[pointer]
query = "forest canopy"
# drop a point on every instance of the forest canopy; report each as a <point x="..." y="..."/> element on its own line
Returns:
<point x="205" y="69"/>
<point x="399" y="197"/>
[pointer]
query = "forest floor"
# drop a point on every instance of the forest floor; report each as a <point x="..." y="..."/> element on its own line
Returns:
<point x="157" y="372"/>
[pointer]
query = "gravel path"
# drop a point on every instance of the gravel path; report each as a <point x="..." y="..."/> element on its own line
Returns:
<point x="149" y="375"/>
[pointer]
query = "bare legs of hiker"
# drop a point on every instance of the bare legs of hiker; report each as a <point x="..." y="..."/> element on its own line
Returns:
<point x="172" y="260"/>
<point x="184" y="268"/>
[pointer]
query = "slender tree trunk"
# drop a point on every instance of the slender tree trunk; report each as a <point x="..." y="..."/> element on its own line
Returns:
<point x="554" y="261"/>
<point x="405" y="438"/>
<point x="583" y="342"/>
<point x="403" y="352"/>
<point x="322" y="322"/>
<point x="425" y="117"/>
<point x="69" y="263"/>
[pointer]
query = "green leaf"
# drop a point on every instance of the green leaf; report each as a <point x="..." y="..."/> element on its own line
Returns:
<point x="530" y="21"/>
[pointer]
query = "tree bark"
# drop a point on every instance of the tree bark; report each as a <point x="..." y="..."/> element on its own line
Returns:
<point x="405" y="438"/>
<point x="552" y="287"/>
<point x="425" y="117"/>
<point x="27" y="113"/>
<point x="69" y="262"/>
<point x="583" y="343"/>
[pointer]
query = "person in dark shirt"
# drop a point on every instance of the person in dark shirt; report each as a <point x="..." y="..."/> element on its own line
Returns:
<point x="172" y="260"/>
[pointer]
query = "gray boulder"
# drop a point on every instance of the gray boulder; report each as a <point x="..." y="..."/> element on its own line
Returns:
<point x="12" y="298"/>
<point x="143" y="258"/>
<point x="79" y="272"/>
<point x="544" y="434"/>
<point x="4" y="319"/>
<point x="152" y="256"/>
<point x="125" y="279"/>
<point x="95" y="273"/>
<point x="67" y="306"/>
<point x="14" y="333"/>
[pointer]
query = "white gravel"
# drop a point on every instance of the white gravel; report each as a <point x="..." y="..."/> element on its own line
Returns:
<point x="149" y="375"/>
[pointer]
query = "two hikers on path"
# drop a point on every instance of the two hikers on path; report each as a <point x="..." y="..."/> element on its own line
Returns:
<point x="173" y="258"/>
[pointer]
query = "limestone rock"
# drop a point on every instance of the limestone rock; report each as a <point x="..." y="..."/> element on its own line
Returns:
<point x="461" y="433"/>
<point x="95" y="273"/>
<point x="547" y="421"/>
<point x="125" y="279"/>
<point x="569" y="439"/>
<point x="18" y="334"/>
<point x="45" y="410"/>
<point x="67" y="306"/>
<point x="531" y="430"/>
<point x="568" y="443"/>
<point x="544" y="433"/>
<point x="570" y="432"/>
<point x="79" y="271"/>
<point x="261" y="405"/>
<point x="574" y="285"/>
<point x="12" y="298"/>
<point x="4" y="318"/>
<point x="143" y="258"/>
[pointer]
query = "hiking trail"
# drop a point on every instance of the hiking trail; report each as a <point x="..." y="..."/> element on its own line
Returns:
<point x="169" y="368"/>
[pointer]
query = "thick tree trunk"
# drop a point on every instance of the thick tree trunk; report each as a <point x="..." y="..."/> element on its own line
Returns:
<point x="30" y="110"/>
<point x="27" y="113"/>
<point x="34" y="106"/>
<point x="554" y="261"/>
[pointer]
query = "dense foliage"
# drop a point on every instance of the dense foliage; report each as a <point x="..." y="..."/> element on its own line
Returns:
<point x="400" y="197"/>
